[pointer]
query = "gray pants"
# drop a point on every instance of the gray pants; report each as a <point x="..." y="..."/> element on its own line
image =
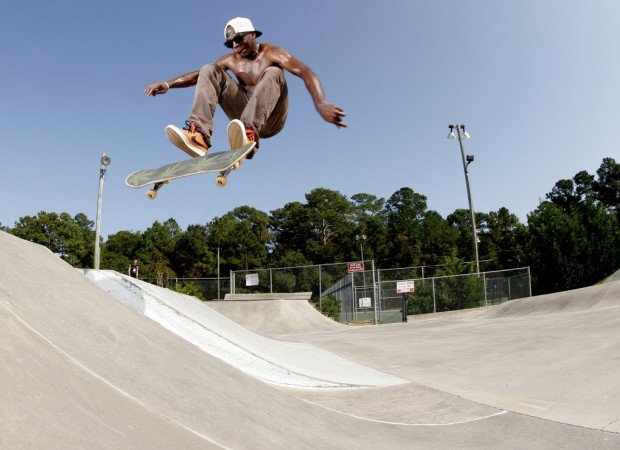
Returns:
<point x="262" y="107"/>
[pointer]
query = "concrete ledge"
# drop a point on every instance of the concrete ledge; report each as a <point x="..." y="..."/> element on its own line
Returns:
<point x="268" y="296"/>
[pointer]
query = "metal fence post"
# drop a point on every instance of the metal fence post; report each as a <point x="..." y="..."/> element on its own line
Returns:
<point x="320" y="290"/>
<point x="232" y="282"/>
<point x="218" y="274"/>
<point x="379" y="295"/>
<point x="270" y="281"/>
<point x="374" y="289"/>
<point x="484" y="283"/>
<point x="434" y="300"/>
<point x="529" y="279"/>
<point x="509" y="290"/>
<point x="353" y="308"/>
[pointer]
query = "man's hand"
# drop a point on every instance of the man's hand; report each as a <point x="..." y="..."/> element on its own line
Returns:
<point x="157" y="88"/>
<point x="332" y="114"/>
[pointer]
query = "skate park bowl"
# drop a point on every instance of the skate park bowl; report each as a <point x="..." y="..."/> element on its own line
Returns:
<point x="97" y="360"/>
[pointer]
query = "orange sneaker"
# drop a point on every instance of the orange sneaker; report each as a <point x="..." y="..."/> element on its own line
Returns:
<point x="189" y="139"/>
<point x="252" y="136"/>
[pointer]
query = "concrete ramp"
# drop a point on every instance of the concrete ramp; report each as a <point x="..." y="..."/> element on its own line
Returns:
<point x="275" y="314"/>
<point x="270" y="296"/>
<point x="613" y="277"/>
<point x="602" y="296"/>
<point x="281" y="363"/>
<point x="79" y="369"/>
<point x="555" y="357"/>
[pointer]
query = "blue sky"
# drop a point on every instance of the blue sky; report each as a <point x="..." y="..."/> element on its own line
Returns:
<point x="536" y="83"/>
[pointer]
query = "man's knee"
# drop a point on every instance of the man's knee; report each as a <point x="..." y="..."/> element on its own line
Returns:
<point x="210" y="70"/>
<point x="273" y="73"/>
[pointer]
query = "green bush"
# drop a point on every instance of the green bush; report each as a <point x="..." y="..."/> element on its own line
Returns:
<point x="330" y="307"/>
<point x="188" y="289"/>
<point x="421" y="302"/>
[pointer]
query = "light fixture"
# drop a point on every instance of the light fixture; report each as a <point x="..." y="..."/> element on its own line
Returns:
<point x="464" y="134"/>
<point x="451" y="135"/>
<point x="105" y="160"/>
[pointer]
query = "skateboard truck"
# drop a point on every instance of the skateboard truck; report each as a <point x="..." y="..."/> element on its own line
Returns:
<point x="152" y="193"/>
<point x="221" y="180"/>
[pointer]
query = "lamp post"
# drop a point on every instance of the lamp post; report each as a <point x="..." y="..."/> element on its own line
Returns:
<point x="461" y="135"/>
<point x="361" y="238"/>
<point x="105" y="162"/>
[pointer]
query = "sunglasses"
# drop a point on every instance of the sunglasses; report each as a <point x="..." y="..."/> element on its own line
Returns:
<point x="238" y="39"/>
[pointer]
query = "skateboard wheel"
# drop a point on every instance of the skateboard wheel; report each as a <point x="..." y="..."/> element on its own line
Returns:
<point x="221" y="181"/>
<point x="152" y="193"/>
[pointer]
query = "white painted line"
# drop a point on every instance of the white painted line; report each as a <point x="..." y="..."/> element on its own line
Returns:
<point x="407" y="424"/>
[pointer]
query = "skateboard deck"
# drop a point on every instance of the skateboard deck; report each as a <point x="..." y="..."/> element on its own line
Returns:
<point x="222" y="162"/>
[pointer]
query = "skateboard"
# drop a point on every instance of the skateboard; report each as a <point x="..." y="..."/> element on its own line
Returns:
<point x="222" y="162"/>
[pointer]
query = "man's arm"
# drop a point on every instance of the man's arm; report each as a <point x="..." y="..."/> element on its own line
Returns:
<point x="161" y="87"/>
<point x="182" y="81"/>
<point x="330" y="112"/>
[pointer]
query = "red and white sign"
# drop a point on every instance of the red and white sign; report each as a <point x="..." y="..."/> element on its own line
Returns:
<point x="403" y="287"/>
<point x="357" y="266"/>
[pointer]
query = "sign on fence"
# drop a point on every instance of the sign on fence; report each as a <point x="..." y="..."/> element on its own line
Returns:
<point x="365" y="302"/>
<point x="403" y="287"/>
<point x="251" y="279"/>
<point x="357" y="266"/>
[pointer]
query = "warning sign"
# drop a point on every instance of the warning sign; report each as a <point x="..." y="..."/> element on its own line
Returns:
<point x="357" y="266"/>
<point x="403" y="287"/>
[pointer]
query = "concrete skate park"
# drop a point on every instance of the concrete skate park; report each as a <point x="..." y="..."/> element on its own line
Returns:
<point x="100" y="360"/>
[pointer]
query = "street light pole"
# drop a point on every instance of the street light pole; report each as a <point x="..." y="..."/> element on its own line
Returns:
<point x="105" y="162"/>
<point x="361" y="238"/>
<point x="467" y="159"/>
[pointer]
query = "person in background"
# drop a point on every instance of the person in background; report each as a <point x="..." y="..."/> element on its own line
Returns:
<point x="133" y="270"/>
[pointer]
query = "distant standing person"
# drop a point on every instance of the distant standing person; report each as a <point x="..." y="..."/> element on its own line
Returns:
<point x="133" y="270"/>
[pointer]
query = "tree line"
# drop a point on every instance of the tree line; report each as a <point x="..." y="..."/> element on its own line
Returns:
<point x="570" y="240"/>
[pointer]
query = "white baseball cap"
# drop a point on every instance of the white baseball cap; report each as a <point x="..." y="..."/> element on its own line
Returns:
<point x="236" y="26"/>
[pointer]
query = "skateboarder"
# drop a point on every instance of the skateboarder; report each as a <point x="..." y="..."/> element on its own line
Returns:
<point x="258" y="98"/>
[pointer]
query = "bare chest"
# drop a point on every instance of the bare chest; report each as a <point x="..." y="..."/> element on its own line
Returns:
<point x="248" y="72"/>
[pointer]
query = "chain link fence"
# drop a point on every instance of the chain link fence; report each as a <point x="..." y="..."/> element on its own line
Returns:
<point x="314" y="278"/>
<point x="381" y="302"/>
<point x="356" y="295"/>
<point x="422" y="272"/>
<point x="213" y="288"/>
<point x="456" y="292"/>
<point x="363" y="294"/>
